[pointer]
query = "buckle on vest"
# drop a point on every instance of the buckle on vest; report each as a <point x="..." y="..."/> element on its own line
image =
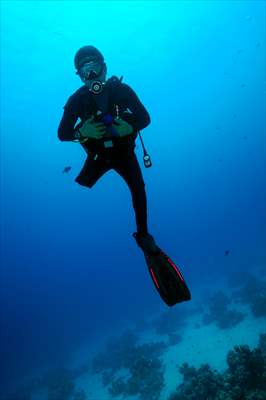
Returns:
<point x="108" y="143"/>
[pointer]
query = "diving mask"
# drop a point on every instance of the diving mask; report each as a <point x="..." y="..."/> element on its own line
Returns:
<point x="93" y="75"/>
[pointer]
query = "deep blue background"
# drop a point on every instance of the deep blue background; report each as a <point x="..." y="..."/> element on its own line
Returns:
<point x="70" y="269"/>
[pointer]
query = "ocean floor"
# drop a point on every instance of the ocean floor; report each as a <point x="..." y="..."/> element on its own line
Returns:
<point x="204" y="344"/>
<point x="186" y="337"/>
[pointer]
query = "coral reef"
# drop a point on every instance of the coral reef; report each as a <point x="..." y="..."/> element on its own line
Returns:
<point x="173" y="320"/>
<point x="141" y="324"/>
<point x="60" y="383"/>
<point x="144" y="368"/>
<point x="146" y="379"/>
<point x="262" y="344"/>
<point x="198" y="384"/>
<point x="123" y="352"/>
<point x="80" y="395"/>
<point x="174" y="338"/>
<point x="237" y="278"/>
<point x="117" y="353"/>
<point x="107" y="377"/>
<point x="244" y="379"/>
<point x="246" y="368"/>
<point x="220" y="313"/>
<point x="254" y="294"/>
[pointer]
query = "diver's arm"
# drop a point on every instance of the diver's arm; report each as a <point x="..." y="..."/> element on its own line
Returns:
<point x="66" y="129"/>
<point x="140" y="117"/>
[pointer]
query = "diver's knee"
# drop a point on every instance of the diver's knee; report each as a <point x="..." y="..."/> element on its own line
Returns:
<point x="84" y="182"/>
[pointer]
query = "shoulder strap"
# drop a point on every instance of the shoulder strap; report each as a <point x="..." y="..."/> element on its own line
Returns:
<point x="102" y="100"/>
<point x="114" y="81"/>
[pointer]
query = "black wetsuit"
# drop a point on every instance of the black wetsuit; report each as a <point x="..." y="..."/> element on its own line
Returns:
<point x="116" y="99"/>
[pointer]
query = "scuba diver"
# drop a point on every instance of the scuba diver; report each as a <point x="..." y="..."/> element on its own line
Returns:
<point x="111" y="116"/>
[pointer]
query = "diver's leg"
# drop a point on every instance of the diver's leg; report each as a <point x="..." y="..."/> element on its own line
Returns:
<point x="92" y="170"/>
<point x="128" y="168"/>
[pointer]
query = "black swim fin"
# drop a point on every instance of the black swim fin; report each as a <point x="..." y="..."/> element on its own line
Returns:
<point x="167" y="277"/>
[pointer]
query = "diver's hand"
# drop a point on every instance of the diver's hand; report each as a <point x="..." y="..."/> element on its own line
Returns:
<point x="122" y="127"/>
<point x="92" y="130"/>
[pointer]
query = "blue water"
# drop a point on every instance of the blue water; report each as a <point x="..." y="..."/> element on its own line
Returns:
<point x="70" y="269"/>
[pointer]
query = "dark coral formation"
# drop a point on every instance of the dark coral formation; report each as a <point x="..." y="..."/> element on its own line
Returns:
<point x="220" y="313"/>
<point x="58" y="382"/>
<point x="262" y="345"/>
<point x="123" y="353"/>
<point x="198" y="384"/>
<point x="144" y="368"/>
<point x="80" y="395"/>
<point x="174" y="338"/>
<point x="244" y="379"/>
<point x="141" y="324"/>
<point x="246" y="368"/>
<point x="117" y="353"/>
<point x="238" y="278"/>
<point x="173" y="320"/>
<point x="146" y="379"/>
<point x="253" y="293"/>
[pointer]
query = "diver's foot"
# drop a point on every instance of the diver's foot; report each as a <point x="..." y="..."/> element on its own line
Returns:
<point x="146" y="242"/>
